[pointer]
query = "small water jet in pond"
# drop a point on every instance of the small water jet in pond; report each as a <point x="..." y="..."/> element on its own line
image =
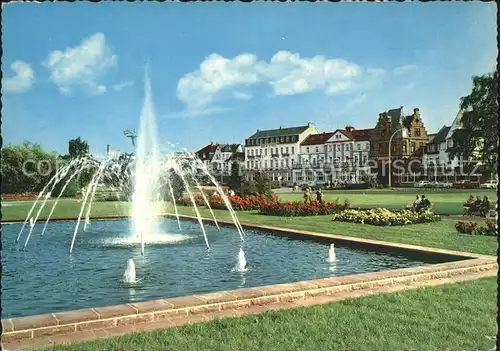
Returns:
<point x="242" y="261"/>
<point x="129" y="275"/>
<point x="32" y="223"/>
<point x="331" y="253"/>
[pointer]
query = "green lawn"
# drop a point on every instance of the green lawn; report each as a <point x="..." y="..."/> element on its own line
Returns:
<point x="452" y="317"/>
<point x="438" y="234"/>
<point x="444" y="202"/>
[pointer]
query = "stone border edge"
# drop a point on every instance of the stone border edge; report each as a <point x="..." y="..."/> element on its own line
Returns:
<point x="22" y="328"/>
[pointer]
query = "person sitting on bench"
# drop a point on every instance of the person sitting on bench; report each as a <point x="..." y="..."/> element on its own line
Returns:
<point x="425" y="204"/>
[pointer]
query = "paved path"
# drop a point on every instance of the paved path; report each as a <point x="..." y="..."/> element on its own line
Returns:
<point x="177" y="321"/>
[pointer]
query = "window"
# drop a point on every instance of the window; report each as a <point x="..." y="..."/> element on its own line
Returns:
<point x="307" y="149"/>
<point x="282" y="163"/>
<point x="412" y="147"/>
<point x="281" y="151"/>
<point x="338" y="148"/>
<point x="265" y="152"/>
<point x="293" y="149"/>
<point x="359" y="146"/>
<point x="417" y="132"/>
<point x="331" y="147"/>
<point x="338" y="136"/>
<point x="265" y="163"/>
<point x="347" y="147"/>
<point x="272" y="162"/>
<point x="404" y="147"/>
<point x="317" y="149"/>
<point x="282" y="139"/>
<point x="287" y="150"/>
<point x="248" y="164"/>
<point x="325" y="148"/>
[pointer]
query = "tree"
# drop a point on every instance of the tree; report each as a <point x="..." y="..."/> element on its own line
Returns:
<point x="236" y="178"/>
<point x="26" y="168"/>
<point x="78" y="148"/>
<point x="262" y="184"/>
<point x="477" y="139"/>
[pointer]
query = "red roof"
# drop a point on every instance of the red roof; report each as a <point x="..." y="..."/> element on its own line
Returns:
<point x="362" y="134"/>
<point x="317" y="139"/>
<point x="207" y="149"/>
<point x="356" y="134"/>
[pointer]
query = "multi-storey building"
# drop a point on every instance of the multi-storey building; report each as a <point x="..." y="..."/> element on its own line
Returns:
<point x="274" y="152"/>
<point x="341" y="155"/>
<point x="206" y="153"/>
<point x="219" y="158"/>
<point x="409" y="138"/>
<point x="437" y="159"/>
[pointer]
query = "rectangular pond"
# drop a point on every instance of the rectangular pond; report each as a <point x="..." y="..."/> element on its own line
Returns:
<point x="44" y="278"/>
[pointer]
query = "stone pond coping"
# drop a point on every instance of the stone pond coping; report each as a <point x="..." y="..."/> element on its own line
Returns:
<point x="101" y="318"/>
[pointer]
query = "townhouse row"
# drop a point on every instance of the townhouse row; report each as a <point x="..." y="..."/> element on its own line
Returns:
<point x="304" y="154"/>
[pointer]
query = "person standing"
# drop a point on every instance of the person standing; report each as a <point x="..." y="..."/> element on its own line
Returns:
<point x="319" y="196"/>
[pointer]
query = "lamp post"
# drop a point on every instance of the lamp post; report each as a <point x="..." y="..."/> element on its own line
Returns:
<point x="403" y="130"/>
<point x="130" y="133"/>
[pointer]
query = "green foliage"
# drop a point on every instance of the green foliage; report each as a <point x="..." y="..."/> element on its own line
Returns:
<point x="248" y="187"/>
<point x="177" y="186"/>
<point x="236" y="179"/>
<point x="262" y="184"/>
<point x="70" y="190"/>
<point x="26" y="167"/>
<point x="478" y="138"/>
<point x="78" y="148"/>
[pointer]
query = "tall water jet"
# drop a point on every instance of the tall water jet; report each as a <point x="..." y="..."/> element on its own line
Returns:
<point x="129" y="275"/>
<point x="331" y="253"/>
<point x="146" y="173"/>
<point x="242" y="261"/>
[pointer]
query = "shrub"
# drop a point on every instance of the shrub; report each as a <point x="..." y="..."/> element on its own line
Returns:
<point x="384" y="217"/>
<point x="293" y="209"/>
<point x="70" y="191"/>
<point x="490" y="229"/>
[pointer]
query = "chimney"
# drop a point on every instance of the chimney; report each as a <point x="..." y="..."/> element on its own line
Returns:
<point x="310" y="124"/>
<point x="349" y="128"/>
<point x="258" y="130"/>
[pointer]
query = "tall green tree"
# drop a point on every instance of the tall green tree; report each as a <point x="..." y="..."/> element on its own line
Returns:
<point x="78" y="148"/>
<point x="477" y="139"/>
<point x="236" y="178"/>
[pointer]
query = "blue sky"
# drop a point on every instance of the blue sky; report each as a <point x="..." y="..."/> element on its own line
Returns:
<point x="220" y="71"/>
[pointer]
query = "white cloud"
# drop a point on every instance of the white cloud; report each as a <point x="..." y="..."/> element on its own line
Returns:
<point x="286" y="73"/>
<point x="122" y="85"/>
<point x="401" y="70"/>
<point x="23" y="79"/>
<point x="81" y="66"/>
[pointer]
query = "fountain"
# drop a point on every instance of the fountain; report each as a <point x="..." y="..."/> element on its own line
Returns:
<point x="331" y="253"/>
<point x="150" y="172"/>
<point x="242" y="262"/>
<point x="129" y="275"/>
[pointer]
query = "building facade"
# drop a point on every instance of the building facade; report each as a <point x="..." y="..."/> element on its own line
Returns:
<point x="409" y="140"/>
<point x="275" y="152"/>
<point x="339" y="156"/>
<point x="219" y="158"/>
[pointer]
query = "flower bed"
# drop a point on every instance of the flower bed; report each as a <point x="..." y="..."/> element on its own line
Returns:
<point x="384" y="217"/>
<point x="17" y="197"/>
<point x="293" y="209"/>
<point x="246" y="203"/>
<point x="490" y="229"/>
